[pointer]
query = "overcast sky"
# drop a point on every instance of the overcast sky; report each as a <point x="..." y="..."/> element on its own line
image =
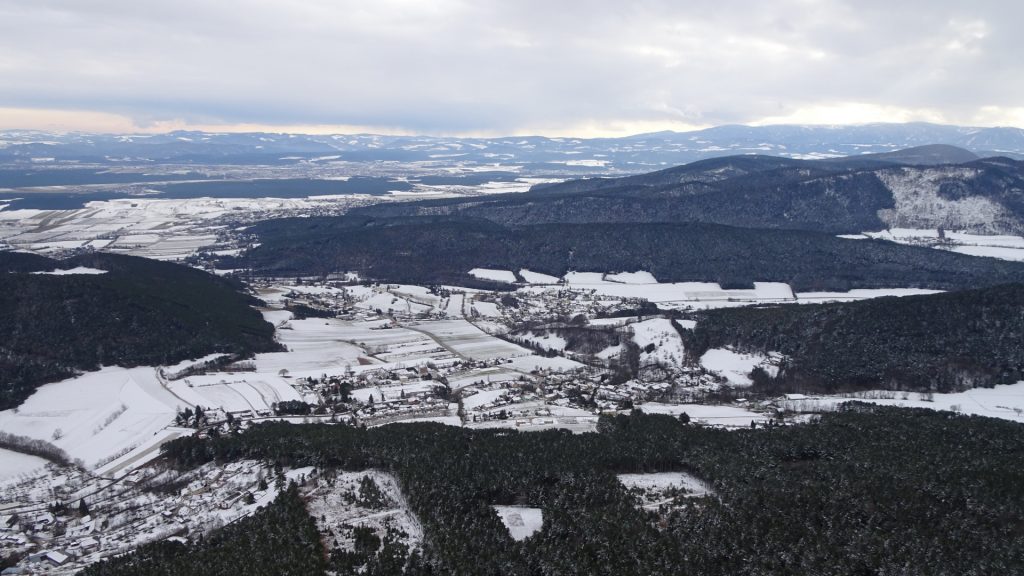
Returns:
<point x="584" y="68"/>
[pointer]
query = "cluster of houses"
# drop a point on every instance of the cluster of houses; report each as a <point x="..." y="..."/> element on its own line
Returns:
<point x="111" y="518"/>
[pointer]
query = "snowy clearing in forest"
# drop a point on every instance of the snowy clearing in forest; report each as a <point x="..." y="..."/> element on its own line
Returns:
<point x="1000" y="252"/>
<point x="714" y="415"/>
<point x="369" y="499"/>
<point x="860" y="294"/>
<point x="1004" y="401"/>
<point x="691" y="485"/>
<point x="659" y="332"/>
<point x="521" y="521"/>
<point x="638" y="277"/>
<point x="491" y="274"/>
<point x="736" y="366"/>
<point x="72" y="271"/>
<point x="537" y="277"/>
<point x="544" y="339"/>
<point x="1004" y="247"/>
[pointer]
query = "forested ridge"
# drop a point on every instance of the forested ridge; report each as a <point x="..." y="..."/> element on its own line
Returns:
<point x="139" y="312"/>
<point x="938" y="342"/>
<point x="842" y="195"/>
<point x="868" y="490"/>
<point x="429" y="250"/>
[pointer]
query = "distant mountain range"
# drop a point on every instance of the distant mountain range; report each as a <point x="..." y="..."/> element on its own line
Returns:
<point x="631" y="154"/>
<point x="923" y="187"/>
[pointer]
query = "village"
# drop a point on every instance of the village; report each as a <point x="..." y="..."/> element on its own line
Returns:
<point x="356" y="353"/>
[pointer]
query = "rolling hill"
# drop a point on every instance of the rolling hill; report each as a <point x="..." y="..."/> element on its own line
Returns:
<point x="128" y="312"/>
<point x="939" y="342"/>
<point x="848" y="195"/>
<point x="434" y="250"/>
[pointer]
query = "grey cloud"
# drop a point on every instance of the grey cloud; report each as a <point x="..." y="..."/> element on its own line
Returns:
<point x="453" y="66"/>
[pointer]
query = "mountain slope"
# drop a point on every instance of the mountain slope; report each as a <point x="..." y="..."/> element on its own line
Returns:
<point x="837" y="196"/>
<point x="928" y="155"/>
<point x="138" y="312"/>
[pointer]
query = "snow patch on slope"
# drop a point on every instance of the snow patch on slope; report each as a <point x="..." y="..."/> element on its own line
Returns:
<point x="75" y="270"/>
<point x="918" y="204"/>
<point x="736" y="367"/>
<point x="496" y="275"/>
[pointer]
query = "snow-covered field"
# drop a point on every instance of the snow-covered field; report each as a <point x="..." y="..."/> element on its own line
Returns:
<point x="547" y="340"/>
<point x="1001" y="252"/>
<point x="314" y="345"/>
<point x="715" y="415"/>
<point x="496" y="275"/>
<point x="639" y="277"/>
<point x="1005" y="402"/>
<point x="480" y="398"/>
<point x="668" y="346"/>
<point x="521" y="521"/>
<point x="736" y="367"/>
<point x="1003" y="247"/>
<point x="484" y="375"/>
<point x="537" y="277"/>
<point x="16" y="464"/>
<point x="164" y="229"/>
<point x="381" y="393"/>
<point x="667" y="295"/>
<point x="533" y="362"/>
<point x="98" y="415"/>
<point x="239" y="392"/>
<point x="486" y="309"/>
<point x="467" y="340"/>
<point x="859" y="294"/>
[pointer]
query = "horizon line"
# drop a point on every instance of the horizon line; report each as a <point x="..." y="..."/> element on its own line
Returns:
<point x="249" y="129"/>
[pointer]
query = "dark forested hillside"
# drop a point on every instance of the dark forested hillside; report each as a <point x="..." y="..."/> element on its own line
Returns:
<point x="940" y="342"/>
<point x="835" y="195"/>
<point x="24" y="262"/>
<point x="443" y="250"/>
<point x="139" y="312"/>
<point x="865" y="491"/>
